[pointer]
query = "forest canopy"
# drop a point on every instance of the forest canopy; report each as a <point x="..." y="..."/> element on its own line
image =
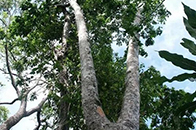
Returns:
<point x="60" y="54"/>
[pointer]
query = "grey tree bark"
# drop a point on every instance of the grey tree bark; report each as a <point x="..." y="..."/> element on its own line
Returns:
<point x="93" y="113"/>
<point x="22" y="112"/>
<point x="22" y="95"/>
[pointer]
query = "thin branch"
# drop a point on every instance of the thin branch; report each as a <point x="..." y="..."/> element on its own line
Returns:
<point x="37" y="108"/>
<point x="5" y="72"/>
<point x="65" y="31"/>
<point x="42" y="89"/>
<point x="1" y="55"/>
<point x="3" y="22"/>
<point x="13" y="56"/>
<point x="9" y="70"/>
<point x="38" y="80"/>
<point x="38" y="120"/>
<point x="9" y="103"/>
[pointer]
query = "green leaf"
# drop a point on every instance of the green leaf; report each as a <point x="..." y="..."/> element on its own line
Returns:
<point x="2" y="33"/>
<point x="5" y="14"/>
<point x="3" y="114"/>
<point x="178" y="60"/>
<point x="190" y="30"/>
<point x="191" y="14"/>
<point x="33" y="96"/>
<point x="149" y="42"/>
<point x="188" y="107"/>
<point x="190" y="45"/>
<point x="179" y="78"/>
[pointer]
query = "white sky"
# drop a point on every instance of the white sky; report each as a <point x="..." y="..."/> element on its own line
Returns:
<point x="173" y="32"/>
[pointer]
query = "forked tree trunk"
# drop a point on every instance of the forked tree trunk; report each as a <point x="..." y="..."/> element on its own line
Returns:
<point x="93" y="113"/>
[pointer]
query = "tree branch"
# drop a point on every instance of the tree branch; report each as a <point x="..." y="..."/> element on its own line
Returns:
<point x="60" y="52"/>
<point x="37" y="108"/>
<point x="93" y="113"/>
<point x="9" y="103"/>
<point x="9" y="70"/>
<point x="38" y="80"/>
<point x="38" y="120"/>
<point x="12" y="55"/>
<point x="131" y="103"/>
<point x="3" y="22"/>
<point x="5" y="72"/>
<point x="11" y="121"/>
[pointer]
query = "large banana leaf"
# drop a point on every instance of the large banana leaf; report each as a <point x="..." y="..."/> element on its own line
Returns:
<point x="178" y="60"/>
<point x="190" y="22"/>
<point x="189" y="105"/>
<point x="191" y="14"/>
<point x="189" y="28"/>
<point x="190" y="45"/>
<point x="179" y="78"/>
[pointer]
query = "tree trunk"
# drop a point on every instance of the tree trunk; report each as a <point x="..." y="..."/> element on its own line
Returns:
<point x="63" y="106"/>
<point x="63" y="77"/>
<point x="93" y="113"/>
<point x="131" y="104"/>
<point x="63" y="113"/>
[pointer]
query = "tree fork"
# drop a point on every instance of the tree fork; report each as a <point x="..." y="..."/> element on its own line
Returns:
<point x="93" y="113"/>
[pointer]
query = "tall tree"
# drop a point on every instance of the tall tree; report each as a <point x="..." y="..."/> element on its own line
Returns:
<point x="94" y="114"/>
<point x="39" y="47"/>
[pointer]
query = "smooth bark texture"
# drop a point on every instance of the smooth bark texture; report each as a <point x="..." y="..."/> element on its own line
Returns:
<point x="13" y="120"/>
<point x="94" y="115"/>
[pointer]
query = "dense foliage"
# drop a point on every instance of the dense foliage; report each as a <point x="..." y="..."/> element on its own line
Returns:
<point x="35" y="33"/>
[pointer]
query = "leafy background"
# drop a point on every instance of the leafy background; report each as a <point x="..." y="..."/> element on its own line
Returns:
<point x="167" y="41"/>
